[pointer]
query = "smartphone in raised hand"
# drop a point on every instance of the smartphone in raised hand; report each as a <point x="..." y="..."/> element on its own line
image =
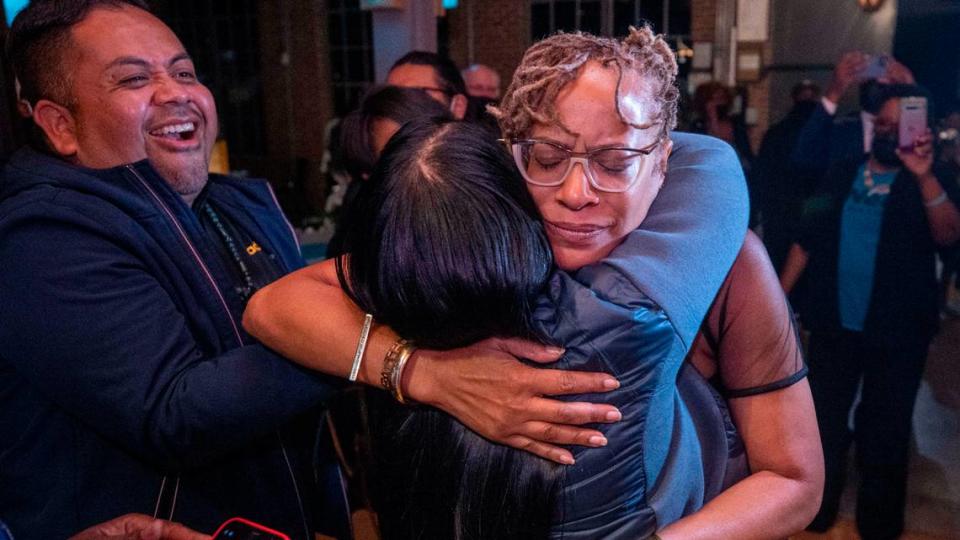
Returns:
<point x="876" y="67"/>
<point x="913" y="120"/>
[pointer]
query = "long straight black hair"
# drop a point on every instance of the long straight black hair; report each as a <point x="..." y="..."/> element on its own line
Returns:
<point x="447" y="248"/>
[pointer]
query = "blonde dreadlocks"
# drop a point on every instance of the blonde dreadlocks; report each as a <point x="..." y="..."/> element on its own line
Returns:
<point x="549" y="65"/>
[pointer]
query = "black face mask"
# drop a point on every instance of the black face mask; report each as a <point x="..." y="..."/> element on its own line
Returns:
<point x="885" y="150"/>
<point x="872" y="96"/>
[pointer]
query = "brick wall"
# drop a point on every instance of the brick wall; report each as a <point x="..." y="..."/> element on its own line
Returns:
<point x="703" y="19"/>
<point x="501" y="34"/>
<point x="295" y="64"/>
<point x="297" y="101"/>
<point x="703" y="27"/>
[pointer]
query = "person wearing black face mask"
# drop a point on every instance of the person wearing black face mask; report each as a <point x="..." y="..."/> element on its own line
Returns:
<point x="867" y="250"/>
<point x="827" y="138"/>
<point x="884" y="150"/>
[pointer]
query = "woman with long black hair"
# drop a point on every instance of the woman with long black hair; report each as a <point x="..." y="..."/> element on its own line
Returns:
<point x="446" y="248"/>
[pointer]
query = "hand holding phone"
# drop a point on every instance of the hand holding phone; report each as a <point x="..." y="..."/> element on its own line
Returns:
<point x="242" y="529"/>
<point x="846" y="73"/>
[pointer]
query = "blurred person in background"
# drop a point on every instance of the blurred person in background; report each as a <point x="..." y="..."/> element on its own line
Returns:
<point x="713" y="114"/>
<point x="483" y="86"/>
<point x="827" y="138"/>
<point x="482" y="81"/>
<point x="948" y="154"/>
<point x="365" y="132"/>
<point x="782" y="188"/>
<point x="713" y="108"/>
<point x="948" y="140"/>
<point x="867" y="248"/>
<point x="437" y="75"/>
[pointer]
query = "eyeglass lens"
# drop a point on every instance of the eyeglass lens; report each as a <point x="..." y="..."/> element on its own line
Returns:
<point x="611" y="169"/>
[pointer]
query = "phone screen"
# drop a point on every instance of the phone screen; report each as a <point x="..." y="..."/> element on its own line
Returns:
<point x="913" y="120"/>
<point x="876" y="68"/>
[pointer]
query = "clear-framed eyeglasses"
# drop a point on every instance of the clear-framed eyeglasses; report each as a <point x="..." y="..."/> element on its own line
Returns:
<point x="611" y="169"/>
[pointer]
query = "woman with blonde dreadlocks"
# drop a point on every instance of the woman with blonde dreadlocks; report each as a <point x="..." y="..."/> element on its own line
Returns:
<point x="588" y="123"/>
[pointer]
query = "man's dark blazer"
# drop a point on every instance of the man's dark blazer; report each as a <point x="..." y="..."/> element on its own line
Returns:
<point x="826" y="139"/>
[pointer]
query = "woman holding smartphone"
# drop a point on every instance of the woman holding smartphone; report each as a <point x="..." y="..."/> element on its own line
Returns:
<point x="868" y="252"/>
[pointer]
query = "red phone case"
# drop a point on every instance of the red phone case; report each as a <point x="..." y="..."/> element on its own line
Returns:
<point x="277" y="535"/>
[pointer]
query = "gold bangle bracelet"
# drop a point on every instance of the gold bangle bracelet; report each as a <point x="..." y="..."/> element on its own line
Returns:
<point x="389" y="364"/>
<point x="391" y="375"/>
<point x="406" y="351"/>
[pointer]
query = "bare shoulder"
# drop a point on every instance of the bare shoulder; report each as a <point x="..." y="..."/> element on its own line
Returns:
<point x="753" y="264"/>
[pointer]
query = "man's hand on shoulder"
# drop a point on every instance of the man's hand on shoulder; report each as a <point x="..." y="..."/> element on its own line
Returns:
<point x="139" y="527"/>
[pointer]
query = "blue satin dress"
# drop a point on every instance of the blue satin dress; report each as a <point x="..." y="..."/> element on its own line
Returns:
<point x="635" y="315"/>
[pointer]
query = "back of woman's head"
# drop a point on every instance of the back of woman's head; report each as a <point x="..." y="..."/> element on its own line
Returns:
<point x="447" y="249"/>
<point x="393" y="103"/>
<point x="445" y="245"/>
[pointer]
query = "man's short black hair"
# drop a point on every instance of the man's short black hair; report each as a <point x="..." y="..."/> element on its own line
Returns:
<point x="449" y="76"/>
<point x="39" y="35"/>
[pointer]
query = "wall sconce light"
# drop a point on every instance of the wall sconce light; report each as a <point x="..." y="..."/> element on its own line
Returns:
<point x="870" y="5"/>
